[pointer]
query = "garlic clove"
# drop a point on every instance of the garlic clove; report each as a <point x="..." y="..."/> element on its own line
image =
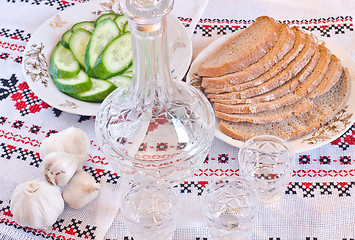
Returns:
<point x="81" y="190"/>
<point x="36" y="204"/>
<point x="59" y="167"/>
<point x="71" y="140"/>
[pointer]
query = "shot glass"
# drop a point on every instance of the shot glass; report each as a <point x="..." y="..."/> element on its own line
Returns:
<point x="230" y="208"/>
<point x="149" y="211"/>
<point x="267" y="161"/>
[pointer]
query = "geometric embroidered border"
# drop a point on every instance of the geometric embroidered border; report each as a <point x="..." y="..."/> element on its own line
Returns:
<point x="324" y="26"/>
<point x="306" y="189"/>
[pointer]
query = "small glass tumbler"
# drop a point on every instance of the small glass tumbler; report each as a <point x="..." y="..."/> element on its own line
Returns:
<point x="267" y="161"/>
<point x="149" y="211"/>
<point x="230" y="208"/>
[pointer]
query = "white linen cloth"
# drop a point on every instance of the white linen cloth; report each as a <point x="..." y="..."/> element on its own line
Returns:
<point x="319" y="203"/>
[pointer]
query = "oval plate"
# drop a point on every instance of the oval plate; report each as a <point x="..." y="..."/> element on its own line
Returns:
<point x="39" y="49"/>
<point x="329" y="132"/>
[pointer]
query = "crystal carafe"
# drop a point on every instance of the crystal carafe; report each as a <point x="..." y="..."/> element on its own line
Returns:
<point x="159" y="128"/>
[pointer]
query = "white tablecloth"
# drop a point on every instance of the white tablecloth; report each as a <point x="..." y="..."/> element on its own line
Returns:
<point x="318" y="204"/>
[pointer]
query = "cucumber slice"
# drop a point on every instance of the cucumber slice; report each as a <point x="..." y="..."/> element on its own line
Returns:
<point x="128" y="72"/>
<point x="77" y="43"/>
<point x="121" y="21"/>
<point x="116" y="57"/>
<point x="63" y="64"/>
<point x="104" y="32"/>
<point x="126" y="28"/>
<point x="87" y="25"/>
<point x="98" y="92"/>
<point x="65" y="39"/>
<point x="121" y="81"/>
<point x="105" y="16"/>
<point x="80" y="83"/>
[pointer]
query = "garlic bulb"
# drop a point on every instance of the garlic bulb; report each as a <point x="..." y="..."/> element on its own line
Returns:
<point x="36" y="204"/>
<point x="59" y="167"/>
<point x="71" y="140"/>
<point x="81" y="190"/>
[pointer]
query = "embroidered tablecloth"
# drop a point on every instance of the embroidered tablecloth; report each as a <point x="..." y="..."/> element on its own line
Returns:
<point x="318" y="204"/>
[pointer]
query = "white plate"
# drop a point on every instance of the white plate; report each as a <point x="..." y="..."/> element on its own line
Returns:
<point x="324" y="135"/>
<point x="39" y="49"/>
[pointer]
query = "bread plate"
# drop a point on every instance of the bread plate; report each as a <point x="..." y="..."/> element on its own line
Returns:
<point x="38" y="52"/>
<point x="329" y="132"/>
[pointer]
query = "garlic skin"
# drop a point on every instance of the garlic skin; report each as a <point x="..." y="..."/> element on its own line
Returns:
<point x="36" y="204"/>
<point x="80" y="190"/>
<point x="71" y="140"/>
<point x="59" y="167"/>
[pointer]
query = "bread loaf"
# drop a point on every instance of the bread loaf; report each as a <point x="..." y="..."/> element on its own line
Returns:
<point x="325" y="108"/>
<point x="287" y="92"/>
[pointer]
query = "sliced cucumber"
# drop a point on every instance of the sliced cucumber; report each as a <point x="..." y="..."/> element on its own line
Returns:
<point x="105" y="16"/>
<point x="121" y="81"/>
<point x="104" y="32"/>
<point x="77" y="43"/>
<point x="128" y="72"/>
<point x="121" y="21"/>
<point x="87" y="25"/>
<point x="126" y="27"/>
<point x="65" y="39"/>
<point x="99" y="91"/>
<point x="116" y="57"/>
<point x="63" y="64"/>
<point x="80" y="83"/>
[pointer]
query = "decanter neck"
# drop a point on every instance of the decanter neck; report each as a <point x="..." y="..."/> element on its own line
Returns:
<point x="151" y="74"/>
<point x="151" y="79"/>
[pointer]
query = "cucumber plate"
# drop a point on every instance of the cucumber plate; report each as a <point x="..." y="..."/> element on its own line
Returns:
<point x="91" y="52"/>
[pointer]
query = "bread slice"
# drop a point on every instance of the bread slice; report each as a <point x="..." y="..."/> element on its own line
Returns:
<point x="330" y="79"/>
<point x="299" y="44"/>
<point x="326" y="106"/>
<point x="276" y="115"/>
<point x="299" y="69"/>
<point x="282" y="46"/>
<point x="242" y="50"/>
<point x="311" y="82"/>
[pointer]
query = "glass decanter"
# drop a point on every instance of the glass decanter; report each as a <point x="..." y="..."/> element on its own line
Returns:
<point x="159" y="129"/>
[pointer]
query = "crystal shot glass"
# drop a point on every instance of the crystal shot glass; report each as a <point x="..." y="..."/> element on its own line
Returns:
<point x="267" y="161"/>
<point x="230" y="208"/>
<point x="149" y="211"/>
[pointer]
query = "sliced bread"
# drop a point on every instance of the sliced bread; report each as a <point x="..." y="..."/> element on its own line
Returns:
<point x="299" y="44"/>
<point x="242" y="50"/>
<point x="310" y="83"/>
<point x="301" y="62"/>
<point x="330" y="79"/>
<point x="282" y="46"/>
<point x="326" y="106"/>
<point x="275" y="115"/>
